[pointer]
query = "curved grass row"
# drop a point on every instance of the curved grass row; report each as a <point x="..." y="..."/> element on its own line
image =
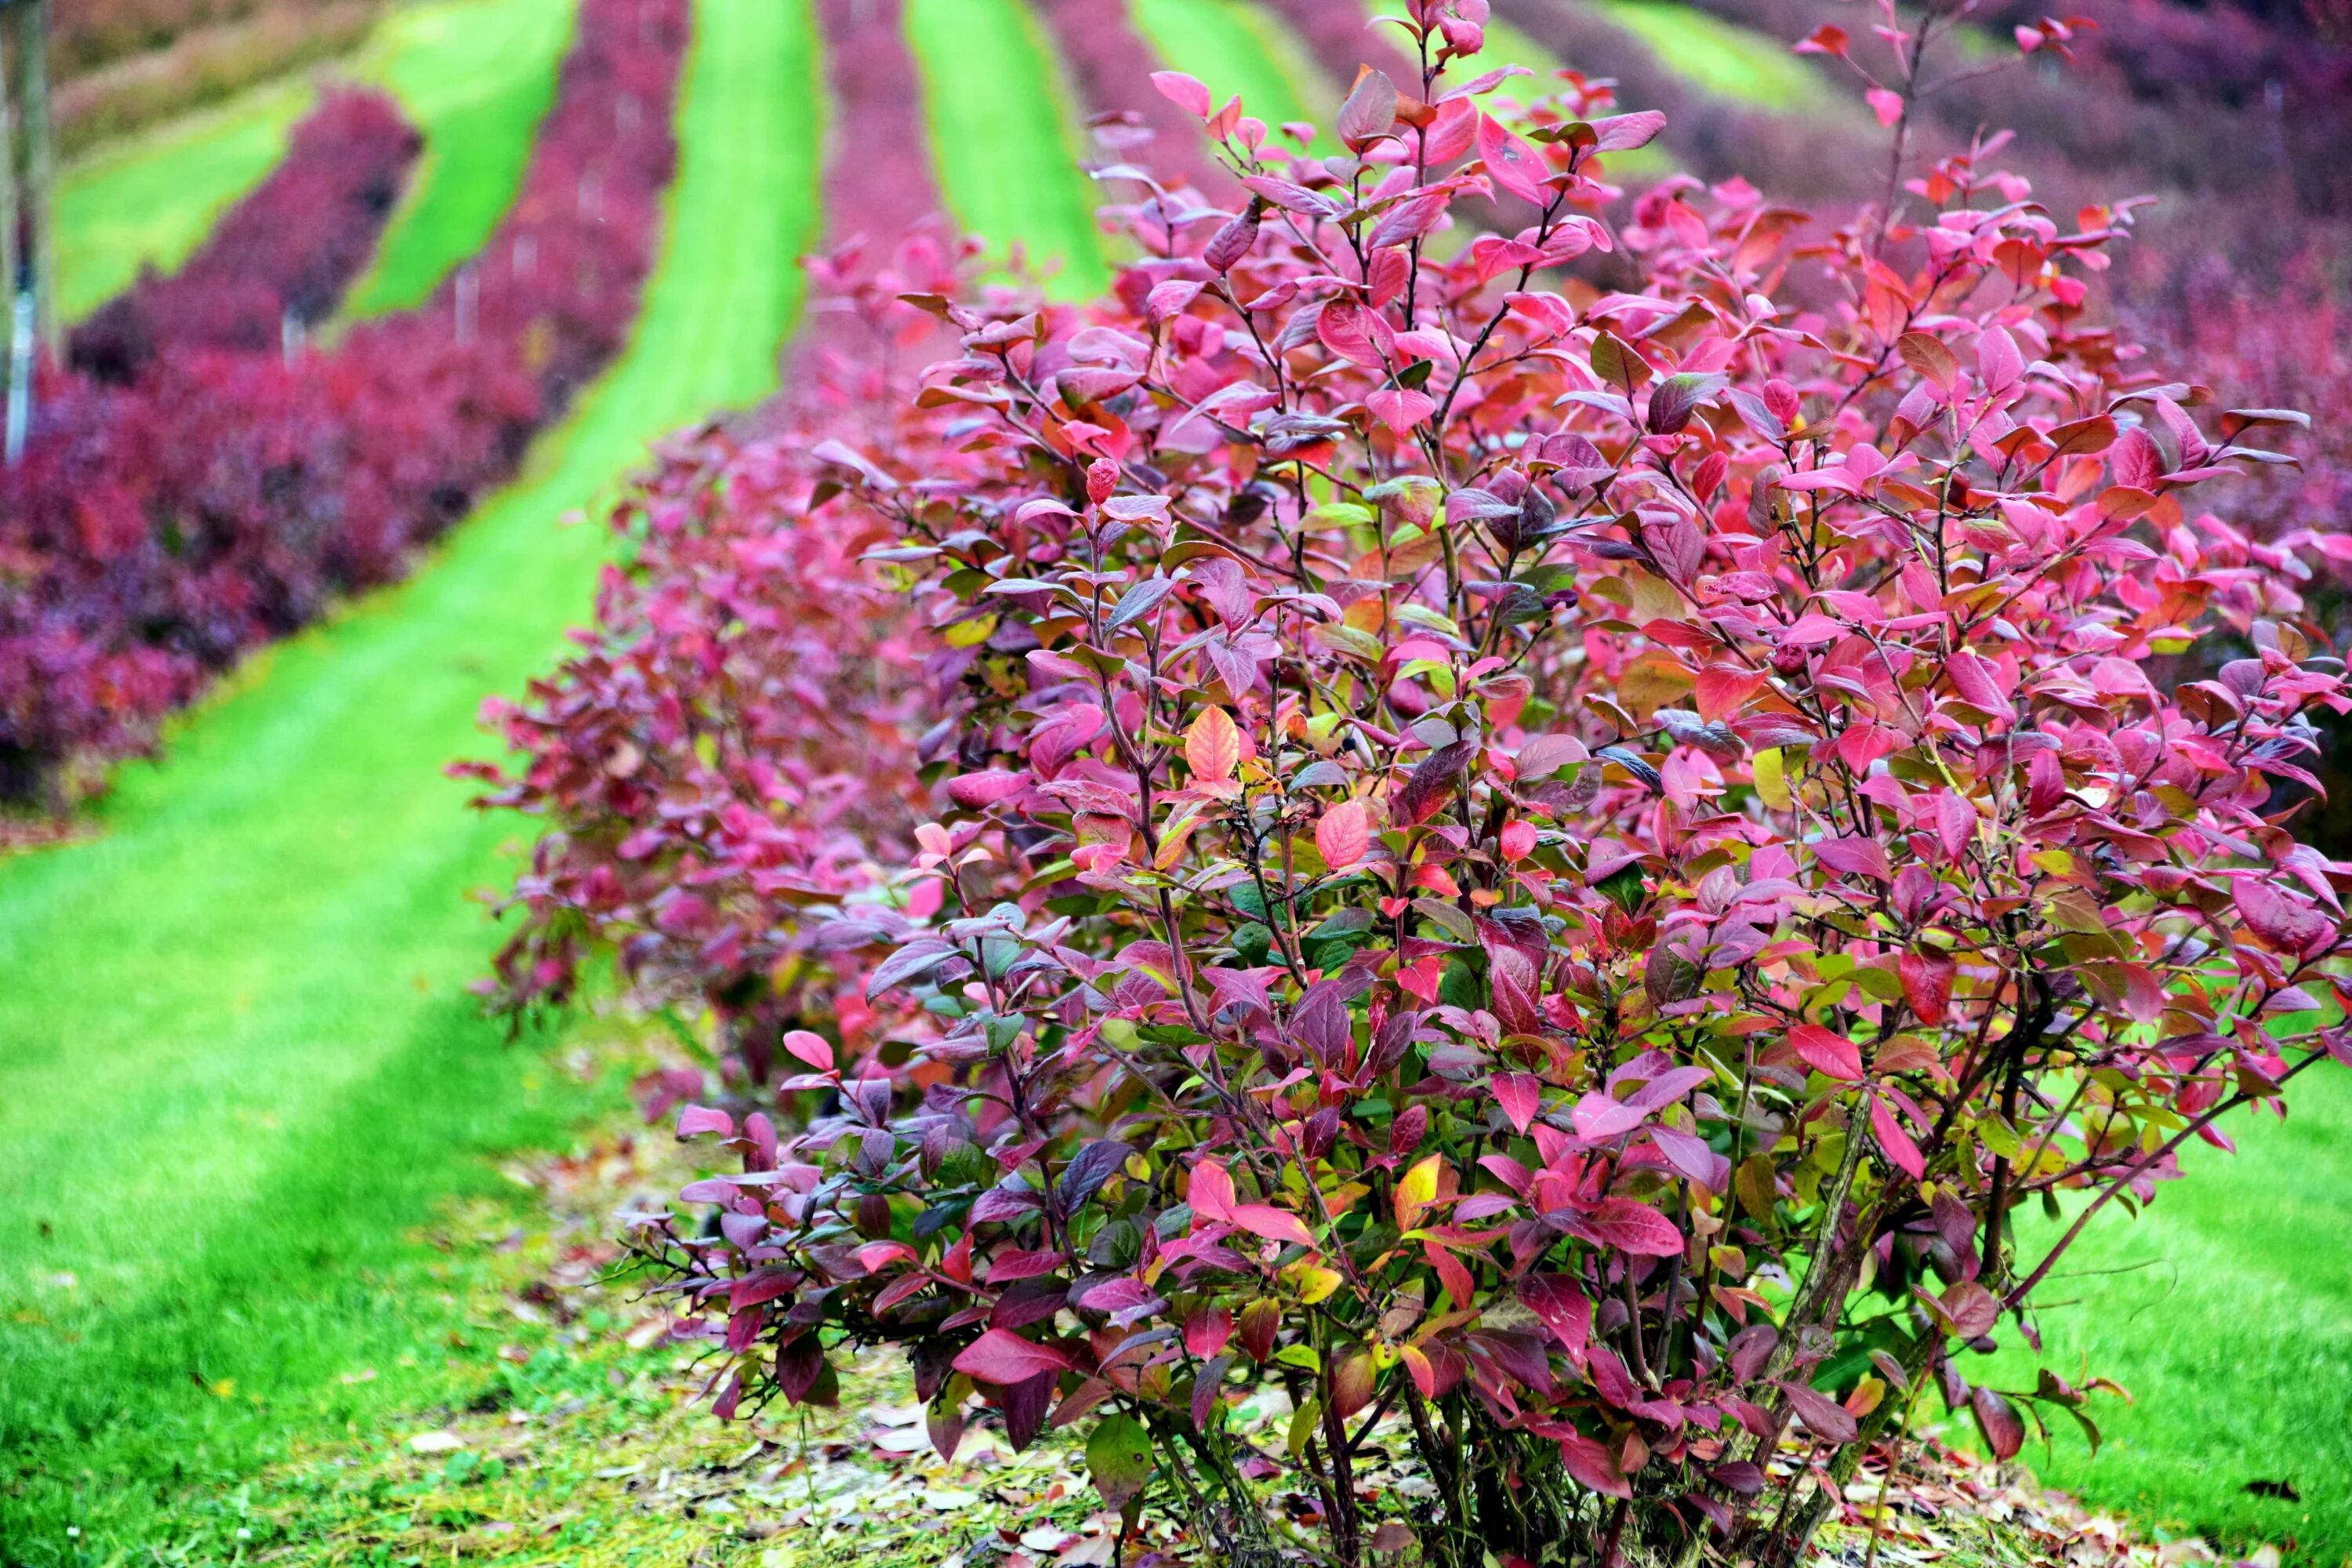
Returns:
<point x="1005" y="143"/>
<point x="240" y="1065"/>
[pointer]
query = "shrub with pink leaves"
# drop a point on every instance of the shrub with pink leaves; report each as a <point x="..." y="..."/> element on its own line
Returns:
<point x="1542" y="868"/>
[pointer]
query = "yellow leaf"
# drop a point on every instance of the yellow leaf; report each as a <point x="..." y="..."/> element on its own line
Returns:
<point x="1213" y="745"/>
<point x="1416" y="1192"/>
<point x="1773" y="780"/>
<point x="1312" y="1284"/>
<point x="1172" y="837"/>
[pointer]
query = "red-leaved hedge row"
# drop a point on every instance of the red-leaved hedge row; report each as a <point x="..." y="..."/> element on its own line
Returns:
<point x="1543" y="868"/>
<point x="291" y="248"/>
<point x="752" y="679"/>
<point x="155" y="531"/>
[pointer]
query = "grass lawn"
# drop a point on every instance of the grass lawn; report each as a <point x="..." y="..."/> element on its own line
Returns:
<point x="473" y="75"/>
<point x="1236" y="48"/>
<point x="238" y="1063"/>
<point x="2226" y="1310"/>
<point x="1006" y="140"/>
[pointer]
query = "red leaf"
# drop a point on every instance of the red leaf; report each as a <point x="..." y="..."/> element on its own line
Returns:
<point x="1555" y="1299"/>
<point x="2004" y="1433"/>
<point x="1520" y="1094"/>
<point x="1978" y="680"/>
<point x="1927" y="982"/>
<point x="1592" y="1466"/>
<point x="2281" y="920"/>
<point x="1830" y="1054"/>
<point x="1002" y="1356"/>
<point x="1894" y="1140"/>
<point x="1631" y="1226"/>
<point x="1824" y="1417"/>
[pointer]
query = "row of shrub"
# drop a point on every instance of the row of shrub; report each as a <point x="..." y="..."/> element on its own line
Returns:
<point x="1542" y="868"/>
<point x="222" y="498"/>
<point x="280" y="260"/>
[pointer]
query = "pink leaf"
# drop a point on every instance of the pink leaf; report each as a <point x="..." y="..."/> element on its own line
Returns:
<point x="1274" y="1223"/>
<point x="1343" y="834"/>
<point x="1887" y="106"/>
<point x="1002" y="1356"/>
<point x="1400" y="407"/>
<point x="1211" y="1192"/>
<point x="814" y="1049"/>
<point x="693" y="1120"/>
<point x="1187" y="93"/>
<point x="1599" y="1118"/>
<point x="1513" y="164"/>
<point x="1830" y="1054"/>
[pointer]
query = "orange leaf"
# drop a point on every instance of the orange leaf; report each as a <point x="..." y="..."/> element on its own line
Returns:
<point x="1213" y="745"/>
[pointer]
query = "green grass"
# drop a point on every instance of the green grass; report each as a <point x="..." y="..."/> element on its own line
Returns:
<point x="1716" y="57"/>
<point x="1005" y="143"/>
<point x="1234" y="47"/>
<point x="237" y="1063"/>
<point x="2226" y="1310"/>
<point x="475" y="77"/>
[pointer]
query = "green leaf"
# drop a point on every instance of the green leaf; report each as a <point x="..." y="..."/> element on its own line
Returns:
<point x="1119" y="1457"/>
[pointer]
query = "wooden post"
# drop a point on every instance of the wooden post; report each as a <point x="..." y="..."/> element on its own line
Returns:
<point x="8" y="279"/>
<point x="40" y="162"/>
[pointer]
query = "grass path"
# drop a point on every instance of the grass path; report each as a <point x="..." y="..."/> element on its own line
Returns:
<point x="473" y="75"/>
<point x="236" y="1059"/>
<point x="1005" y="140"/>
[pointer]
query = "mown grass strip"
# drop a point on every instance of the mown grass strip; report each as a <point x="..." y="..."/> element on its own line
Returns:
<point x="1236" y="48"/>
<point x="476" y="79"/>
<point x="236" y="1062"/>
<point x="1717" y="57"/>
<point x="1006" y="142"/>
